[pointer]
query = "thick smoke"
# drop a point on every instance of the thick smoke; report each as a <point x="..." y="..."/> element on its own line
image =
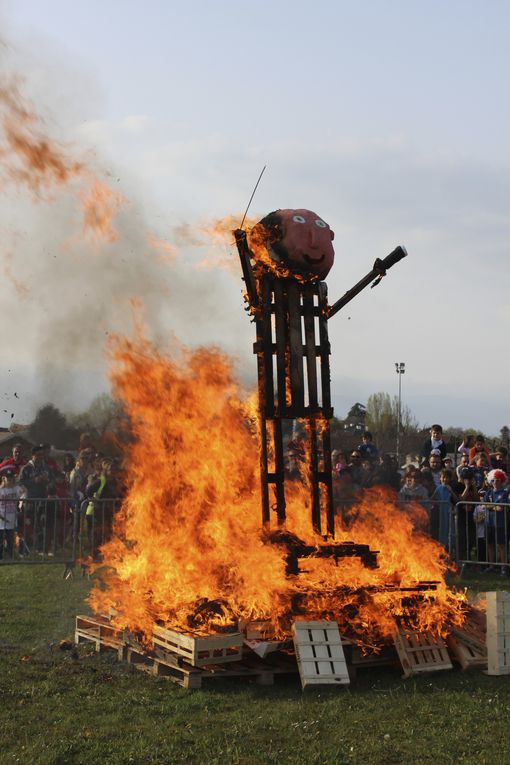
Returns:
<point x="76" y="254"/>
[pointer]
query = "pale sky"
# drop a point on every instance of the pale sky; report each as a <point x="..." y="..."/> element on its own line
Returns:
<point x="389" y="119"/>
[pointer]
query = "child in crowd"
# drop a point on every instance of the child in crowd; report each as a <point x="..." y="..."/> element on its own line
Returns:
<point x="497" y="519"/>
<point x="480" y="466"/>
<point x="367" y="448"/>
<point x="468" y="496"/>
<point x="479" y="517"/>
<point x="10" y="495"/>
<point x="445" y="497"/>
<point x="464" y="462"/>
<point x="434" y="442"/>
<point x="500" y="459"/>
<point x="467" y="443"/>
<point x="479" y="448"/>
<point x="413" y="490"/>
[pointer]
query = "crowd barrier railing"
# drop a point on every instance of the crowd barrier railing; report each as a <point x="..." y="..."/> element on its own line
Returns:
<point x="473" y="533"/>
<point x="480" y="534"/>
<point x="55" y="529"/>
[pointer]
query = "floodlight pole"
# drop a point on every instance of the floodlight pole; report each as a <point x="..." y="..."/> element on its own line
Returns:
<point x="400" y="369"/>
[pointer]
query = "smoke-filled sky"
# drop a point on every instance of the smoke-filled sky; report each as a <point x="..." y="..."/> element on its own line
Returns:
<point x="390" y="120"/>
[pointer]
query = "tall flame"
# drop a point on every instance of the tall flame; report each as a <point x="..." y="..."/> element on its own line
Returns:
<point x="188" y="538"/>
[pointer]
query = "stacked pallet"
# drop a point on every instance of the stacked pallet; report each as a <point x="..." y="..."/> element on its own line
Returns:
<point x="191" y="657"/>
<point x="187" y="658"/>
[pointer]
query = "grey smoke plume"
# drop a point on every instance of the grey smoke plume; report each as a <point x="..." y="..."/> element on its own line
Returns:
<point x="67" y="287"/>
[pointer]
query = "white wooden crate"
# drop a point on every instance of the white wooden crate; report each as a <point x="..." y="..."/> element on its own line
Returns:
<point x="199" y="649"/>
<point x="498" y="633"/>
<point x="320" y="654"/>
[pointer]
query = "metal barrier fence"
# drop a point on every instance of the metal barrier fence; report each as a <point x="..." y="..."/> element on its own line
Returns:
<point x="473" y="533"/>
<point x="480" y="534"/>
<point x="56" y="529"/>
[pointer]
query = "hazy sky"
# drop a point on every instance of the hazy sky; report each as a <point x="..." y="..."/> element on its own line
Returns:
<point x="389" y="119"/>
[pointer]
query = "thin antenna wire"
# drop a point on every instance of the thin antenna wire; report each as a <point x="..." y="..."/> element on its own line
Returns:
<point x="253" y="194"/>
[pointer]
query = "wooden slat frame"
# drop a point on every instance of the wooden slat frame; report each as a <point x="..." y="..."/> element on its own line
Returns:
<point x="310" y="347"/>
<point x="296" y="349"/>
<point x="465" y="653"/>
<point x="325" y="350"/>
<point x="280" y="311"/>
<point x="421" y="652"/>
<point x="320" y="653"/>
<point x="498" y="633"/>
<point x="265" y="345"/>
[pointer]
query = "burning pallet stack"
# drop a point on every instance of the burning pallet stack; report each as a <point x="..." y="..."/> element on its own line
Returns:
<point x="316" y="649"/>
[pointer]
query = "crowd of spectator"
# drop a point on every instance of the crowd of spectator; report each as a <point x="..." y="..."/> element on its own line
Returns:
<point x="39" y="494"/>
<point x="466" y="504"/>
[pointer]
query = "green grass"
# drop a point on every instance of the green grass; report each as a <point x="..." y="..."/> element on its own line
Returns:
<point x="60" y="710"/>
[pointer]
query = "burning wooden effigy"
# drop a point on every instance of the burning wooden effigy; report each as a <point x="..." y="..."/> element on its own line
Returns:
<point x="191" y="568"/>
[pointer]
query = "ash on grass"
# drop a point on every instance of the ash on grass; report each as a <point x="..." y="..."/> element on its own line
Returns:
<point x="76" y="707"/>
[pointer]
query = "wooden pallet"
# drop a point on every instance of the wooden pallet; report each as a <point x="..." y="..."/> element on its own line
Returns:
<point x="161" y="662"/>
<point x="99" y="631"/>
<point x="498" y="633"/>
<point x="319" y="653"/>
<point x="474" y="629"/>
<point x="386" y="657"/>
<point x="420" y="652"/>
<point x="175" y="668"/>
<point x="198" y="649"/>
<point x="465" y="653"/>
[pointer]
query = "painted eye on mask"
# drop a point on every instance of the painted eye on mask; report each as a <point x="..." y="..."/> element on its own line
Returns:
<point x="298" y="219"/>
<point x="320" y="223"/>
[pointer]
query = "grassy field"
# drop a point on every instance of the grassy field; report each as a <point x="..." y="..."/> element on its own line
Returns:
<point x="56" y="709"/>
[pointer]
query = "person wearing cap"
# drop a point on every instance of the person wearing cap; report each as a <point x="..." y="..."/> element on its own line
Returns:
<point x="10" y="495"/>
<point x="497" y="519"/>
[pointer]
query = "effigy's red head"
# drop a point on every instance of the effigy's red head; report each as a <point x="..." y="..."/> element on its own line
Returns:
<point x="301" y="241"/>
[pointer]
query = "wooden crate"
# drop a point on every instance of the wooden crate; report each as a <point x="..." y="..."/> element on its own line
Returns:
<point x="198" y="649"/>
<point x="319" y="653"/>
<point x="257" y="629"/>
<point x="498" y="633"/>
<point x="98" y="630"/>
<point x="176" y="669"/>
<point x="174" y="666"/>
<point x="420" y="652"/>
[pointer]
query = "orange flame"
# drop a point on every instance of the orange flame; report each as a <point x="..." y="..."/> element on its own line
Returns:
<point x="188" y="538"/>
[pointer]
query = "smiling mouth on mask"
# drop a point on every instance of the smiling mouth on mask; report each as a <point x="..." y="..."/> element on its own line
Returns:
<point x="309" y="258"/>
